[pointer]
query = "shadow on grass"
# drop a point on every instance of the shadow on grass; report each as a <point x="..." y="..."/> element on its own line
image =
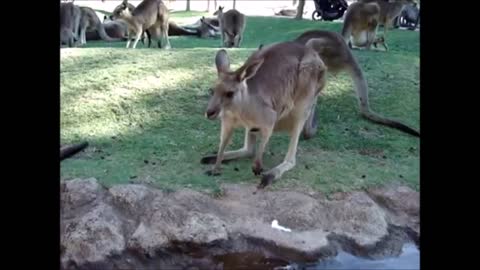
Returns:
<point x="142" y="112"/>
<point x="163" y="133"/>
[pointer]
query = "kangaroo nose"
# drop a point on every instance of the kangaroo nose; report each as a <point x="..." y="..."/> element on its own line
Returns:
<point x="210" y="113"/>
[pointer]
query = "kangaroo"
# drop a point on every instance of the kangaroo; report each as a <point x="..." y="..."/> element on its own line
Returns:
<point x="208" y="28"/>
<point x="338" y="58"/>
<point x="151" y="15"/>
<point x="361" y="24"/>
<point x="69" y="23"/>
<point x="90" y="21"/>
<point x="274" y="90"/>
<point x="232" y="25"/>
<point x="205" y="27"/>
<point x="114" y="29"/>
<point x="388" y="11"/>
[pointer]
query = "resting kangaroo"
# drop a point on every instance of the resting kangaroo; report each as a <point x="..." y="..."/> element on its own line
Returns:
<point x="274" y="90"/>
<point x="232" y="25"/>
<point x="205" y="27"/>
<point x="338" y="57"/>
<point x="151" y="15"/>
<point x="389" y="9"/>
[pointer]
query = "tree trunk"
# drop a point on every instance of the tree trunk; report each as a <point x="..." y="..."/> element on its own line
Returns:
<point x="234" y="2"/>
<point x="188" y="5"/>
<point x="215" y="4"/>
<point x="208" y="5"/>
<point x="301" y="5"/>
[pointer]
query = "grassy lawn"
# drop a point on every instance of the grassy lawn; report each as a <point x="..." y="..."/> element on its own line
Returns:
<point x="143" y="113"/>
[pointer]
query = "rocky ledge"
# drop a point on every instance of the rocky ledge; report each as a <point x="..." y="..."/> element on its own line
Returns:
<point x="138" y="227"/>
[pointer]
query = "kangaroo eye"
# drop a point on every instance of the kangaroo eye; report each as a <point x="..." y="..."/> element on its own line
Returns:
<point x="229" y="94"/>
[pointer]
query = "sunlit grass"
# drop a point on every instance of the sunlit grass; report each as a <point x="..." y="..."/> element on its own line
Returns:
<point x="143" y="113"/>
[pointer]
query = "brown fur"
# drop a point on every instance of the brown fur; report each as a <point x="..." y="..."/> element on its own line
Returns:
<point x="89" y="21"/>
<point x="205" y="27"/>
<point x="114" y="29"/>
<point x="273" y="91"/>
<point x="151" y="15"/>
<point x="116" y="14"/>
<point x="232" y="26"/>
<point x="388" y="11"/>
<point x="360" y="24"/>
<point x="338" y="58"/>
<point x="176" y="30"/>
<point x="69" y="23"/>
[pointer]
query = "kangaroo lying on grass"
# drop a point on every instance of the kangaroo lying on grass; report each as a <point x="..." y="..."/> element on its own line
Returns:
<point x="274" y="90"/>
<point x="338" y="57"/>
<point x="232" y="25"/>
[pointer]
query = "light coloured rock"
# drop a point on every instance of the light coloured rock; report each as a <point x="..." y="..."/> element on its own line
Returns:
<point x="79" y="192"/>
<point x="93" y="237"/>
<point x="358" y="217"/>
<point x="136" y="218"/>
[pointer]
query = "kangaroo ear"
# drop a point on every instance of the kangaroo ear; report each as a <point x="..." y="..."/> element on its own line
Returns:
<point x="249" y="71"/>
<point x="222" y="62"/>
<point x="125" y="2"/>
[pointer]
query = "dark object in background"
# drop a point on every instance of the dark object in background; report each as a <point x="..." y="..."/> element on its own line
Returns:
<point x="72" y="149"/>
<point x="329" y="10"/>
<point x="410" y="17"/>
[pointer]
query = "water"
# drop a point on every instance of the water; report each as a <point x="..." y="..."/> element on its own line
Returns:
<point x="409" y="259"/>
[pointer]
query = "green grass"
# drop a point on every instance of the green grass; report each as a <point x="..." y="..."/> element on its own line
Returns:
<point x="147" y="105"/>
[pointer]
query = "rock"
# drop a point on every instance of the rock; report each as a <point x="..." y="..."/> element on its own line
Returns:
<point x="78" y="193"/>
<point x="357" y="216"/>
<point x="146" y="240"/>
<point x="402" y="205"/>
<point x="92" y="237"/>
<point x="202" y="229"/>
<point x="130" y="197"/>
<point x="186" y="228"/>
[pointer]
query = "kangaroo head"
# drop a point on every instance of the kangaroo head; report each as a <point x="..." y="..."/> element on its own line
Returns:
<point x="229" y="39"/>
<point x="219" y="11"/>
<point x="229" y="83"/>
<point x="120" y="11"/>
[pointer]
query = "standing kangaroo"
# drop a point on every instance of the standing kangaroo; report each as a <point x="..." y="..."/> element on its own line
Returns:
<point x="151" y="15"/>
<point x="70" y="15"/>
<point x="232" y="25"/>
<point x="360" y="25"/>
<point x="338" y="58"/>
<point x="274" y="90"/>
<point x="389" y="9"/>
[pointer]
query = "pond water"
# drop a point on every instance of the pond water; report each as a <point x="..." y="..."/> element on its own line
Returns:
<point x="409" y="259"/>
